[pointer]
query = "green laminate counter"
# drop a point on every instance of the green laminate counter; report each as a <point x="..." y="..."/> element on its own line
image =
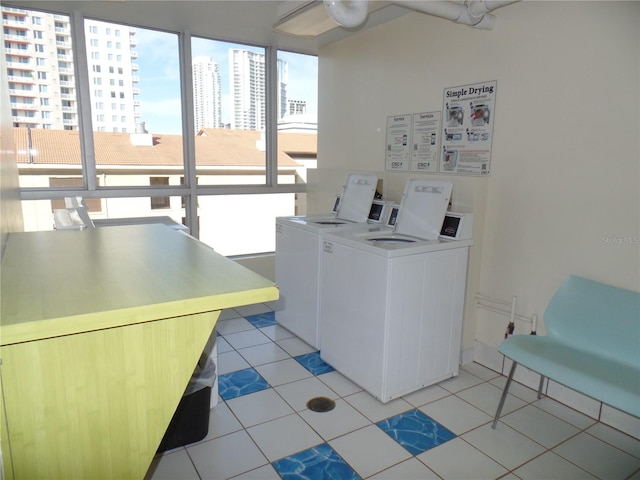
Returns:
<point x="100" y="331"/>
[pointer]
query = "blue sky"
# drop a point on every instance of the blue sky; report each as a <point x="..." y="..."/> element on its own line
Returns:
<point x="160" y="77"/>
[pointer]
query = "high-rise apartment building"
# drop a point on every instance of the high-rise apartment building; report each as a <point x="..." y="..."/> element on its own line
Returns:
<point x="42" y="81"/>
<point x="207" y="107"/>
<point x="110" y="57"/>
<point x="39" y="64"/>
<point x="296" y="107"/>
<point x="247" y="79"/>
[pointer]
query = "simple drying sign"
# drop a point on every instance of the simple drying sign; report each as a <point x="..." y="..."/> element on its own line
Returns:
<point x="467" y="128"/>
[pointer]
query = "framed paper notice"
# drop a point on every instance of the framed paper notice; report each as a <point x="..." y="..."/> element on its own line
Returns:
<point x="398" y="152"/>
<point x="425" y="138"/>
<point x="467" y="128"/>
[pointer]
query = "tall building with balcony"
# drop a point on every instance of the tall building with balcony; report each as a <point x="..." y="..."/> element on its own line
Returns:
<point x="112" y="81"/>
<point x="41" y="76"/>
<point x="39" y="64"/>
<point x="207" y="107"/>
<point x="247" y="79"/>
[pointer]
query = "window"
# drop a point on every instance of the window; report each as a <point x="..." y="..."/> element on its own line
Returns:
<point x="93" y="204"/>
<point x="258" y="213"/>
<point x="218" y="70"/>
<point x="230" y="157"/>
<point x="140" y="89"/>
<point x="42" y="75"/>
<point x="159" y="202"/>
<point x="36" y="34"/>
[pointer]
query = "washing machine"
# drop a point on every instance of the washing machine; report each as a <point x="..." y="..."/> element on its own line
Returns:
<point x="391" y="303"/>
<point x="298" y="246"/>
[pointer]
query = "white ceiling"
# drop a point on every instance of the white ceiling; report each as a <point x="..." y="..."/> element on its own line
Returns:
<point x="243" y="21"/>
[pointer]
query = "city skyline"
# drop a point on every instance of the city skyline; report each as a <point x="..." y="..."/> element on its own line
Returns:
<point x="159" y="73"/>
<point x="135" y="80"/>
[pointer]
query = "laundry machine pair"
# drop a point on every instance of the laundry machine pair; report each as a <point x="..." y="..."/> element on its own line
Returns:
<point x="298" y="247"/>
<point x="392" y="302"/>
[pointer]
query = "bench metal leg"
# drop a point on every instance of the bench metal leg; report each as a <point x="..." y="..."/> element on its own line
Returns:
<point x="542" y="377"/>
<point x="504" y="395"/>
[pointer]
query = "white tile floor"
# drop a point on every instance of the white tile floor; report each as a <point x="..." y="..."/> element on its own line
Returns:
<point x="535" y="439"/>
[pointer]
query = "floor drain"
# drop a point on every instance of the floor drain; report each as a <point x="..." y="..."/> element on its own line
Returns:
<point x="321" y="404"/>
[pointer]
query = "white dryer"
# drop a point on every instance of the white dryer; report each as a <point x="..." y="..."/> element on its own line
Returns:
<point x="391" y="303"/>
<point x="298" y="245"/>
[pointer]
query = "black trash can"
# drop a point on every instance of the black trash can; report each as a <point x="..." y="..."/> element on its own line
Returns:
<point x="190" y="422"/>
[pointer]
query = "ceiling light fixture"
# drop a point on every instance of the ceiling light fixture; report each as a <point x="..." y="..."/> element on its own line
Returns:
<point x="310" y="19"/>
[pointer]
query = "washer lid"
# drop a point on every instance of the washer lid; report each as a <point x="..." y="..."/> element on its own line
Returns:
<point x="422" y="209"/>
<point x="356" y="198"/>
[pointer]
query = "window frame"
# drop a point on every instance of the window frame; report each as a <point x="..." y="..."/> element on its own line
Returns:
<point x="190" y="190"/>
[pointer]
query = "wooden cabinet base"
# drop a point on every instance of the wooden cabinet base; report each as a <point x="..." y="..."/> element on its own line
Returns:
<point x="97" y="404"/>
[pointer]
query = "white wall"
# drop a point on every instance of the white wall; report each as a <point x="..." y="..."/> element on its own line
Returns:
<point x="563" y="194"/>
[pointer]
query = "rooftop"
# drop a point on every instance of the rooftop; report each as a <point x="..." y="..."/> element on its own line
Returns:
<point x="213" y="148"/>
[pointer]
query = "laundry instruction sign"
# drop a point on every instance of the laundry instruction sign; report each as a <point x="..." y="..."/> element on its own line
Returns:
<point x="425" y="134"/>
<point x="398" y="155"/>
<point x="412" y="142"/>
<point x="467" y="128"/>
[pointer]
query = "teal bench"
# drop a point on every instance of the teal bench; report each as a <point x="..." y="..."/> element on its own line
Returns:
<point x="592" y="344"/>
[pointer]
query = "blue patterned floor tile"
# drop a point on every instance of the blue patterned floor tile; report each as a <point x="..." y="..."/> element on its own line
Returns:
<point x="262" y="320"/>
<point x="416" y="431"/>
<point x="241" y="382"/>
<point x="317" y="463"/>
<point x="313" y="363"/>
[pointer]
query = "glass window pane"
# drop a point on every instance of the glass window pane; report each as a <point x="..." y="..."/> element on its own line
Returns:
<point x="297" y="117"/>
<point x="229" y="108"/>
<point x="242" y="224"/>
<point x="143" y="78"/>
<point x="124" y="211"/>
<point x="43" y="97"/>
<point x="38" y="214"/>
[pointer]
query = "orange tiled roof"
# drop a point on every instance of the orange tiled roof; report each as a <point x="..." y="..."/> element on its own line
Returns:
<point x="214" y="147"/>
